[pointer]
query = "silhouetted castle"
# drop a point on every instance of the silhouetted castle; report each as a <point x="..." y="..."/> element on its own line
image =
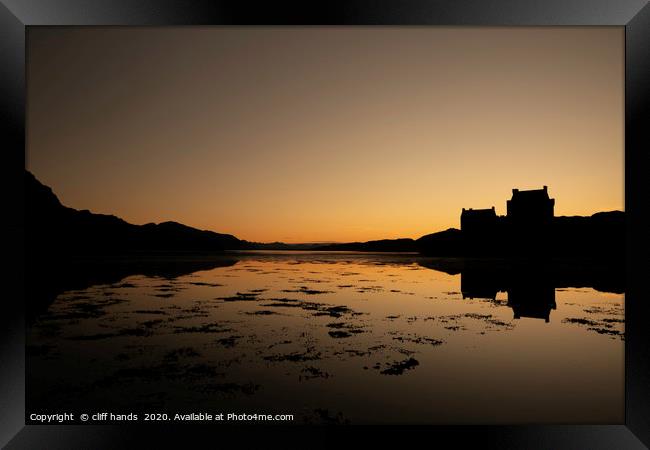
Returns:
<point x="531" y="207"/>
<point x="526" y="209"/>
<point x="529" y="229"/>
<point x="478" y="220"/>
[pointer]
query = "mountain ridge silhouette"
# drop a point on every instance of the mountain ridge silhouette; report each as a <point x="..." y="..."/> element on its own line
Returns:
<point x="54" y="228"/>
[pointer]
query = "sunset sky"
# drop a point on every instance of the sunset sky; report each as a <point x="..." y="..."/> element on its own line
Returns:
<point x="312" y="134"/>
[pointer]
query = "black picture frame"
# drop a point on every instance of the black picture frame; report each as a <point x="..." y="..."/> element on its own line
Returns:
<point x="634" y="15"/>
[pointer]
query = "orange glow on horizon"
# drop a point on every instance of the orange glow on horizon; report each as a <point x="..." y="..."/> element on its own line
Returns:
<point x="325" y="134"/>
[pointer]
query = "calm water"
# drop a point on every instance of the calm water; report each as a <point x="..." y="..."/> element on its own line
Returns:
<point x="332" y="337"/>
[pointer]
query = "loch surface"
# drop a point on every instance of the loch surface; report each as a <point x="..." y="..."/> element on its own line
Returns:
<point x="333" y="337"/>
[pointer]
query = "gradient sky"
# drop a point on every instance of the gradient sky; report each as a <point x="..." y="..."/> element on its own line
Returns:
<point x="311" y="134"/>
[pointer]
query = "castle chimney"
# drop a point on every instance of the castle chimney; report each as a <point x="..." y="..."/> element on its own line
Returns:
<point x="545" y="188"/>
<point x="514" y="191"/>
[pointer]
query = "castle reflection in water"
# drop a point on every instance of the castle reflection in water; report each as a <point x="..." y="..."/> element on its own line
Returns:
<point x="529" y="295"/>
<point x="529" y="284"/>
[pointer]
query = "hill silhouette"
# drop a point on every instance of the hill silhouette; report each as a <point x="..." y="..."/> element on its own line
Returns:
<point x="54" y="228"/>
<point x="384" y="245"/>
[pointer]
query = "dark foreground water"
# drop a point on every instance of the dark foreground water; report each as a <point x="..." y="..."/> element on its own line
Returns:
<point x="358" y="338"/>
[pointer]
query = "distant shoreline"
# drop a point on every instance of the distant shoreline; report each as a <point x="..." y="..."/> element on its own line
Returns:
<point x="192" y="255"/>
